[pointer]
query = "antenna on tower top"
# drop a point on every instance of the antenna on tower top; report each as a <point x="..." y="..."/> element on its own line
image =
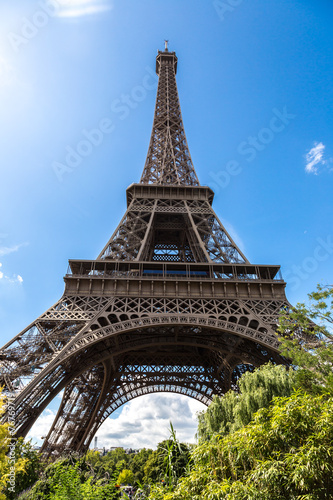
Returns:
<point x="166" y="45"/>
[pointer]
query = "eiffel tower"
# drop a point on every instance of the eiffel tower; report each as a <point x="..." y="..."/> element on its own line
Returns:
<point x="170" y="304"/>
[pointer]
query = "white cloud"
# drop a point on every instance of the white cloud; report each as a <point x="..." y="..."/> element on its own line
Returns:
<point x="15" y="279"/>
<point x="7" y="250"/>
<point x="78" y="8"/>
<point x="315" y="158"/>
<point x="42" y="426"/>
<point x="141" y="423"/>
<point x="145" y="421"/>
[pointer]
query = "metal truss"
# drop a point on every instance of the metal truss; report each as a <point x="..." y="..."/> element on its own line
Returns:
<point x="168" y="159"/>
<point x="171" y="231"/>
<point x="171" y="304"/>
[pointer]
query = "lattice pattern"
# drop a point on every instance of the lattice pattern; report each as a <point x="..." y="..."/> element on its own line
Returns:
<point x="267" y="310"/>
<point x="253" y="331"/>
<point x="168" y="160"/>
<point x="77" y="421"/>
<point x="219" y="245"/>
<point x="36" y="346"/>
<point x="75" y="308"/>
<point x="32" y="351"/>
<point x="246" y="344"/>
<point x="177" y="206"/>
<point x="77" y="406"/>
<point x="125" y="243"/>
<point x="132" y="307"/>
<point x="172" y="231"/>
<point x="22" y="359"/>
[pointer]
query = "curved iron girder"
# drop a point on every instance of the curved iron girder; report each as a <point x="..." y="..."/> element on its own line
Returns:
<point x="131" y="376"/>
<point x="166" y="337"/>
<point x="81" y="397"/>
<point x="42" y="341"/>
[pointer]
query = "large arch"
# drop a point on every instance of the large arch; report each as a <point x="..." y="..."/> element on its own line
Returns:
<point x="87" y="347"/>
<point x="142" y="360"/>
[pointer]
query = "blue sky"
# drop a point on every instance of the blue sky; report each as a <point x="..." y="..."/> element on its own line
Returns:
<point x="255" y="85"/>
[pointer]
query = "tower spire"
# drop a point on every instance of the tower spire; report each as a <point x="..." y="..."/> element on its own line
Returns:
<point x="168" y="159"/>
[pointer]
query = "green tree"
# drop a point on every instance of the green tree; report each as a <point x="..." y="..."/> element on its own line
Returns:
<point x="137" y="462"/>
<point x="33" y="464"/>
<point x="168" y="463"/>
<point x="126" y="477"/>
<point x="306" y="335"/>
<point x="73" y="478"/>
<point x="114" y="460"/>
<point x="70" y="483"/>
<point x="284" y="453"/>
<point x="232" y="411"/>
<point x="11" y="465"/>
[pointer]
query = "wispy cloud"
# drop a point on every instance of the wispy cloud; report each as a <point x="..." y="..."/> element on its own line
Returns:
<point x="78" y="8"/>
<point x="7" y="250"/>
<point x="315" y="158"/>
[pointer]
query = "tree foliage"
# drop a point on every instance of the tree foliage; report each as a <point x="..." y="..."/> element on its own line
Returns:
<point x="284" y="449"/>
<point x="167" y="463"/>
<point x="91" y="476"/>
<point x="234" y="410"/>
<point x="285" y="452"/>
<point x="306" y="335"/>
<point x="33" y="464"/>
<point x="126" y="477"/>
<point x="75" y="478"/>
<point x="137" y="462"/>
<point x="13" y="464"/>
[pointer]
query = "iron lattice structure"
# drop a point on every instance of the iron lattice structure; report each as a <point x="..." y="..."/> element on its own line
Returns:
<point x="170" y="304"/>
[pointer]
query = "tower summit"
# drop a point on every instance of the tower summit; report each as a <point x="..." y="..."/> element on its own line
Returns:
<point x="168" y="159"/>
<point x="171" y="304"/>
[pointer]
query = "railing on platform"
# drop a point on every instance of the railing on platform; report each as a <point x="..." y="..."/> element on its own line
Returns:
<point x="180" y="271"/>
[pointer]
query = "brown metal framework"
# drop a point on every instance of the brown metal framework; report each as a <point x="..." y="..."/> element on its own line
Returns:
<point x="170" y="304"/>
